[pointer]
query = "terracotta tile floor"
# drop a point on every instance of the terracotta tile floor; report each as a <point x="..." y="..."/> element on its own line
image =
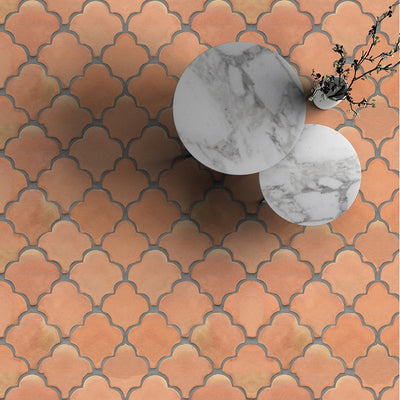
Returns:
<point x="129" y="271"/>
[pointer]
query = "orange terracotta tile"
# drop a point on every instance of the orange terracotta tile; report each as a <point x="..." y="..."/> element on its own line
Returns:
<point x="96" y="215"/>
<point x="166" y="119"/>
<point x="11" y="119"/>
<point x="154" y="387"/>
<point x="153" y="338"/>
<point x="218" y="387"/>
<point x="252" y="10"/>
<point x="28" y="34"/>
<point x="317" y="307"/>
<point x="153" y="89"/>
<point x="154" y="26"/>
<point x="285" y="339"/>
<point x="348" y="275"/>
<point x="154" y="275"/>
<point x="184" y="48"/>
<point x="125" y="370"/>
<point x="208" y="24"/>
<point x="251" y="369"/>
<point x="390" y="337"/>
<point x="8" y="7"/>
<point x="32" y="151"/>
<point x="254" y="37"/>
<point x="362" y="89"/>
<point x="390" y="88"/>
<point x="284" y="386"/>
<point x="317" y="8"/>
<point x="279" y="31"/>
<point x="390" y="213"/>
<point x="32" y="339"/>
<point x="331" y="118"/>
<point x="65" y="58"/>
<point x="317" y="369"/>
<point x="94" y="388"/>
<point x="65" y="9"/>
<point x="317" y="245"/>
<point x="125" y="57"/>
<point x="65" y="307"/>
<point x="95" y="26"/>
<point x="377" y="370"/>
<point x="125" y="9"/>
<point x="211" y="338"/>
<point x="376" y="8"/>
<point x="377" y="306"/>
<point x="218" y="275"/>
<point x="11" y="183"/>
<point x="185" y="368"/>
<point x="87" y="88"/>
<point x="96" y="275"/>
<point x="96" y="339"/>
<point x="11" y="369"/>
<point x="32" y="275"/>
<point x="13" y="305"/>
<point x="284" y="275"/>
<point x="65" y="369"/>
<point x="125" y="121"/>
<point x="65" y="120"/>
<point x="154" y="152"/>
<point x="390" y="274"/>
<point x="391" y="393"/>
<point x="185" y="9"/>
<point x="32" y="386"/>
<point x="154" y="214"/>
<point x="197" y="305"/>
<point x="377" y="245"/>
<point x="251" y="244"/>
<point x="125" y="245"/>
<point x="348" y="387"/>
<point x="32" y="89"/>
<point x="390" y="151"/>
<point x="10" y="245"/>
<point x="125" y="306"/>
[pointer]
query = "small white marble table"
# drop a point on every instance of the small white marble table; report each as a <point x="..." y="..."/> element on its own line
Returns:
<point x="239" y="108"/>
<point x="317" y="181"/>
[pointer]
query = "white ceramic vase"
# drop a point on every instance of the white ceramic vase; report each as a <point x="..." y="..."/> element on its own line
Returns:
<point x="325" y="101"/>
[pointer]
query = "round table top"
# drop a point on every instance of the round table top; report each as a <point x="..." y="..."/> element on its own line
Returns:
<point x="317" y="181"/>
<point x="239" y="108"/>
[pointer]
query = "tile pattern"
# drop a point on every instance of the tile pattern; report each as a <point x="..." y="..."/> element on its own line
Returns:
<point x="130" y="271"/>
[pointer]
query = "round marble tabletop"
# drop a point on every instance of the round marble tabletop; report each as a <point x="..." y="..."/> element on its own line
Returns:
<point x="239" y="108"/>
<point x="317" y="181"/>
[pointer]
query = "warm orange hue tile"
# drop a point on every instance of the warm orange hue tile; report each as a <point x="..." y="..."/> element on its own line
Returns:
<point x="8" y="7"/>
<point x="166" y="119"/>
<point x="32" y="338"/>
<point x="10" y="245"/>
<point x="154" y="275"/>
<point x="65" y="307"/>
<point x="125" y="370"/>
<point x="97" y="338"/>
<point x="11" y="183"/>
<point x="251" y="369"/>
<point x="390" y="88"/>
<point x="11" y="119"/>
<point x="349" y="339"/>
<point x="96" y="215"/>
<point x="32" y="151"/>
<point x="218" y="387"/>
<point x="251" y="9"/>
<point x="317" y="307"/>
<point x="65" y="120"/>
<point x="284" y="386"/>
<point x="11" y="369"/>
<point x="377" y="306"/>
<point x="97" y="89"/>
<point x="32" y="275"/>
<point x="154" y="152"/>
<point x="32" y="90"/>
<point x="125" y="9"/>
<point x="185" y="368"/>
<point x="348" y="387"/>
<point x="65" y="369"/>
<point x="377" y="370"/>
<point x="154" y="26"/>
<point x="96" y="275"/>
<point x="13" y="305"/>
<point x="284" y="275"/>
<point x="65" y="9"/>
<point x="125" y="306"/>
<point x="64" y="244"/>
<point x="33" y="387"/>
<point x="125" y="245"/>
<point x="390" y="337"/>
<point x="285" y="338"/>
<point x="254" y="37"/>
<point x="317" y="8"/>
<point x="218" y="275"/>
<point x="390" y="151"/>
<point x="196" y="306"/>
<point x="154" y="387"/>
<point x="32" y="35"/>
<point x="125" y="121"/>
<point x="96" y="27"/>
<point x="65" y="57"/>
<point x="331" y="118"/>
<point x="279" y="31"/>
<point x="185" y="9"/>
<point x="184" y="48"/>
<point x="390" y="213"/>
<point x="390" y="274"/>
<point x="392" y="393"/>
<point x="94" y="388"/>
<point x="210" y="338"/>
<point x="185" y="244"/>
<point x="154" y="214"/>
<point x="153" y="338"/>
<point x="153" y="89"/>
<point x="125" y="57"/>
<point x="208" y="24"/>
<point x="251" y="244"/>
<point x="348" y="275"/>
<point x="377" y="245"/>
<point x="317" y="369"/>
<point x="251" y="307"/>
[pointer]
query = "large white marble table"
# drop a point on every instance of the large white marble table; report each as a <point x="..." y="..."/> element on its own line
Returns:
<point x="239" y="108"/>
